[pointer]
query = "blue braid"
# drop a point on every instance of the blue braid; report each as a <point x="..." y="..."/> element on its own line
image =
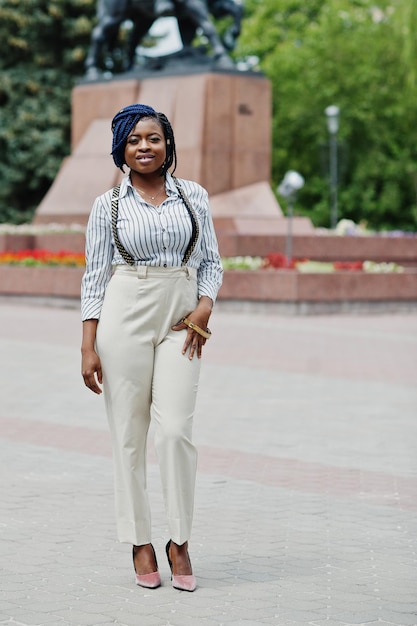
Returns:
<point x="122" y="124"/>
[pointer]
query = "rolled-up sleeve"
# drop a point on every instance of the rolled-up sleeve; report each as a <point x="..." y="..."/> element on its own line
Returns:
<point x="98" y="256"/>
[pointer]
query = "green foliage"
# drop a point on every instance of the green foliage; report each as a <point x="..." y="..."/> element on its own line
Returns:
<point x="354" y="55"/>
<point x="42" y="50"/>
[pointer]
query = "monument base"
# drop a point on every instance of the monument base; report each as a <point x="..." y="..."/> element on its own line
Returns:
<point x="222" y="124"/>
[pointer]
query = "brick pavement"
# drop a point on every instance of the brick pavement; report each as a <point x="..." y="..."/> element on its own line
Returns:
<point x="307" y="486"/>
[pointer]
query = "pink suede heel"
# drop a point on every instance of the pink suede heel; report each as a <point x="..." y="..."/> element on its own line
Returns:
<point x="149" y="581"/>
<point x="181" y="582"/>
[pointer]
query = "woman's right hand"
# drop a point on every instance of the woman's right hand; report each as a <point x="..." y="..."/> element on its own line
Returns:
<point x="90" y="361"/>
<point x="91" y="370"/>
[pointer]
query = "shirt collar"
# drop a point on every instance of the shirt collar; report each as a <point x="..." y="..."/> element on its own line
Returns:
<point x="170" y="185"/>
<point x="126" y="184"/>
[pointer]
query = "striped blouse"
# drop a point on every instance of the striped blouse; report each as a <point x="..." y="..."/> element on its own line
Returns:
<point x="155" y="236"/>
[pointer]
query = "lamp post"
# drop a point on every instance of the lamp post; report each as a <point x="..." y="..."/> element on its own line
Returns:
<point x="288" y="188"/>
<point x="332" y="115"/>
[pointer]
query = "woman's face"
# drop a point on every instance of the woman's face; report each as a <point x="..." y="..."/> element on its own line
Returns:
<point x="145" y="150"/>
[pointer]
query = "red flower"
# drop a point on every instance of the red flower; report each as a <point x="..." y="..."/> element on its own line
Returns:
<point x="279" y="261"/>
<point x="42" y="257"/>
<point x="348" y="265"/>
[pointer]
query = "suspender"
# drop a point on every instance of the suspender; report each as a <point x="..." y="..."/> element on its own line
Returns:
<point x="114" y="212"/>
<point x="195" y="227"/>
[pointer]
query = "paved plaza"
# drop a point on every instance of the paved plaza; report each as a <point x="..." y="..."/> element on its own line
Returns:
<point x="306" y="504"/>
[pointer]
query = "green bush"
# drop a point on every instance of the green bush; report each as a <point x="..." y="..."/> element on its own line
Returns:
<point x="42" y="51"/>
<point x="361" y="56"/>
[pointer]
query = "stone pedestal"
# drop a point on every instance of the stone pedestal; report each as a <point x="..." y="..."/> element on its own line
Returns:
<point x="222" y="125"/>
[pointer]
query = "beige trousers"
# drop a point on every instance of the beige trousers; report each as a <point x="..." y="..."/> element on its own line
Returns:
<point x="146" y="376"/>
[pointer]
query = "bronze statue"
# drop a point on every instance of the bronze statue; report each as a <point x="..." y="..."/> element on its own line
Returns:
<point x="191" y="16"/>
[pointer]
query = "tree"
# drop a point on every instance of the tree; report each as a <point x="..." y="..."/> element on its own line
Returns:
<point x="351" y="54"/>
<point x="42" y="50"/>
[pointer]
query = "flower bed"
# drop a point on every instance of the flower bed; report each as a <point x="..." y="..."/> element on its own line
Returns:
<point x="275" y="279"/>
<point x="269" y="279"/>
<point x="63" y="258"/>
<point x="279" y="261"/>
<point x="40" y="258"/>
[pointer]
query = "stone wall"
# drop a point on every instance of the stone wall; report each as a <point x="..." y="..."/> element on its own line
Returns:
<point x="262" y="285"/>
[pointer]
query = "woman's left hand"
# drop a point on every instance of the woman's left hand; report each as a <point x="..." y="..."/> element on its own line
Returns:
<point x="194" y="342"/>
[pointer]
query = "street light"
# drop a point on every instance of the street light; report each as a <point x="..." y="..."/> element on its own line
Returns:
<point x="332" y="114"/>
<point x="290" y="185"/>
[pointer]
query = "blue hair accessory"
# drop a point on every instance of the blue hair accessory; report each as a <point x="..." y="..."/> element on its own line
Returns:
<point x="122" y="124"/>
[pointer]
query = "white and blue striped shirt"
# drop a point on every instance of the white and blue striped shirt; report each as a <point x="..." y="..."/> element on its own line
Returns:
<point x="155" y="236"/>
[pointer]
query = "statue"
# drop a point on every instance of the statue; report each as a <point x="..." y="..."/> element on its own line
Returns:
<point x="191" y="15"/>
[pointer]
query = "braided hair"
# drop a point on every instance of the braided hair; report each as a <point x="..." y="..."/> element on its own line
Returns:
<point x="125" y="121"/>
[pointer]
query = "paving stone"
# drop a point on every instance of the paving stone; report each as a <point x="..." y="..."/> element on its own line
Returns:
<point x="31" y="618"/>
<point x="328" y="622"/>
<point x="301" y="517"/>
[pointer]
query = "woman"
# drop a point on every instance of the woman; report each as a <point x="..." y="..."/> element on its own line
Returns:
<point x="152" y="275"/>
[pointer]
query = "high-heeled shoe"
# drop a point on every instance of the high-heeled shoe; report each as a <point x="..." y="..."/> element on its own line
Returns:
<point x="150" y="581"/>
<point x="180" y="581"/>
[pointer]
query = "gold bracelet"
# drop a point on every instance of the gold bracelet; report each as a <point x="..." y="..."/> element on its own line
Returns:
<point x="204" y="333"/>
